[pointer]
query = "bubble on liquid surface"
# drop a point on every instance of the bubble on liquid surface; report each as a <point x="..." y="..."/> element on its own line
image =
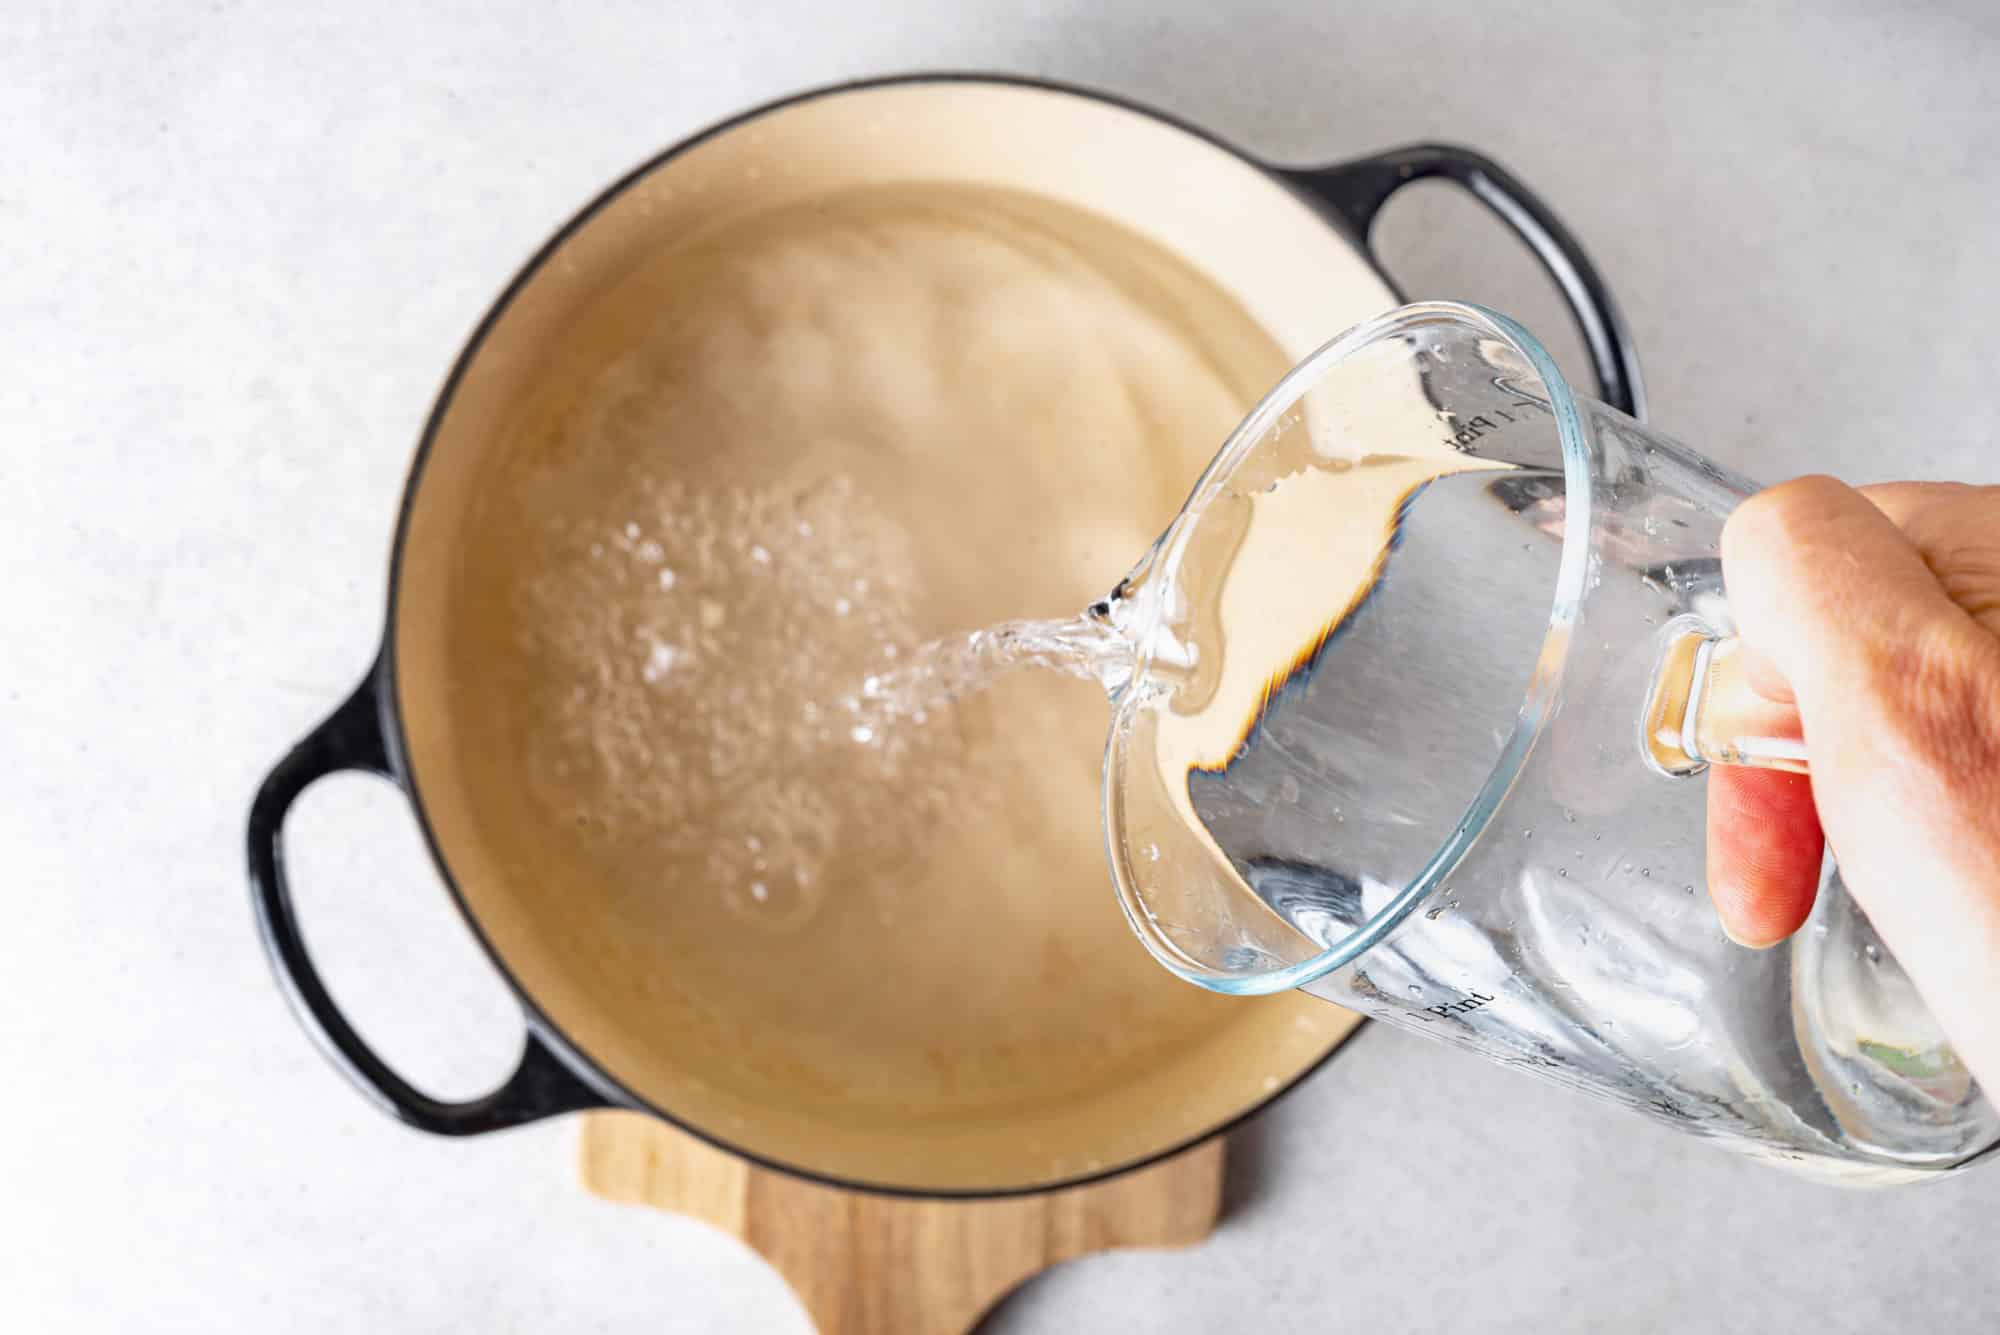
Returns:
<point x="660" y="660"/>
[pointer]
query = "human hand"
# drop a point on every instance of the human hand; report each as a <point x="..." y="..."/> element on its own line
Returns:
<point x="1877" y="612"/>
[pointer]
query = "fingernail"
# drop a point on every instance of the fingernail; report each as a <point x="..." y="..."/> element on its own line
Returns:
<point x="1746" y="944"/>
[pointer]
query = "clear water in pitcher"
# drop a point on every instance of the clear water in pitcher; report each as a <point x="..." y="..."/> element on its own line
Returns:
<point x="1349" y="660"/>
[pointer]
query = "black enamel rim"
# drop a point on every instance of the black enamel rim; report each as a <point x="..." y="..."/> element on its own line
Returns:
<point x="385" y="679"/>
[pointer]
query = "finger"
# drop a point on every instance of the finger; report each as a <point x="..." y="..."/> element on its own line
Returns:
<point x="1764" y="852"/>
<point x="1956" y="529"/>
<point x="1902" y="501"/>
<point x="1763" y="677"/>
<point x="1891" y="675"/>
<point x="1826" y="586"/>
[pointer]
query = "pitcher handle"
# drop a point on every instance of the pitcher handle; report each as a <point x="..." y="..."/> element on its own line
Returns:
<point x="1357" y="191"/>
<point x="351" y="738"/>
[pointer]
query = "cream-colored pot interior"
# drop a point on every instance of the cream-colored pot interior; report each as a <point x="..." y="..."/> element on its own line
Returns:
<point x="985" y="336"/>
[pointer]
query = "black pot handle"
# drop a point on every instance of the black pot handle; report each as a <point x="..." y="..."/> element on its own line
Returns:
<point x="1358" y="190"/>
<point x="351" y="738"/>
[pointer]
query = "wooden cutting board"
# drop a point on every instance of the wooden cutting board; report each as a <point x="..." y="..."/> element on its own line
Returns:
<point x="887" y="1265"/>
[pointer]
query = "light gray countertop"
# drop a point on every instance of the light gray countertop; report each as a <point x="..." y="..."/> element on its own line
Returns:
<point x="240" y="244"/>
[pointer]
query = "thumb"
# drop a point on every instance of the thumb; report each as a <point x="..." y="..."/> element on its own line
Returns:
<point x="1898" y="689"/>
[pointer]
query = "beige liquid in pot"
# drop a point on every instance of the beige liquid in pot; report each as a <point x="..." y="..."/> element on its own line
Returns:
<point x="753" y="470"/>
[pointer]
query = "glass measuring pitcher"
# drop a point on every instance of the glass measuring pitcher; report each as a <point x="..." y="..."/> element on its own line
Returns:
<point x="1426" y="672"/>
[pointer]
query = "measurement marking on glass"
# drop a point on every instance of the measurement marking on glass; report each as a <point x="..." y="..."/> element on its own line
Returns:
<point x="1446" y="1010"/>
